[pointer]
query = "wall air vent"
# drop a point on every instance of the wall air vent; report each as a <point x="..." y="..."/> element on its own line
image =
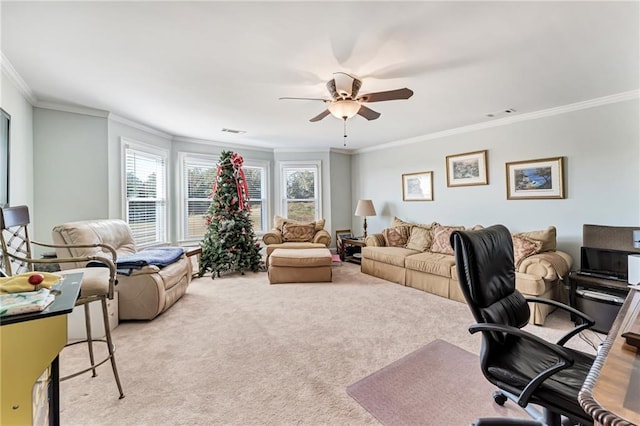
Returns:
<point x="234" y="131"/>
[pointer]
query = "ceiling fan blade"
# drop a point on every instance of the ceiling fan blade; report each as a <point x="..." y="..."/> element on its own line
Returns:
<point x="320" y="116"/>
<point x="304" y="99"/>
<point x="368" y="113"/>
<point x="389" y="95"/>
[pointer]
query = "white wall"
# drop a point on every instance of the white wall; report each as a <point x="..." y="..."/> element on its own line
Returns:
<point x="601" y="146"/>
<point x="70" y="169"/>
<point x="21" y="144"/>
<point x="342" y="204"/>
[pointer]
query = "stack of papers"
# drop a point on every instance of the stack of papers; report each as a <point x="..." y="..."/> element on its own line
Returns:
<point x="25" y="302"/>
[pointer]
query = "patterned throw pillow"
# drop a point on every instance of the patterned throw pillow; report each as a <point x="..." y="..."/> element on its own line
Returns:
<point x="396" y="237"/>
<point x="523" y="247"/>
<point x="298" y="232"/>
<point x="546" y="236"/>
<point x="420" y="239"/>
<point x="442" y="239"/>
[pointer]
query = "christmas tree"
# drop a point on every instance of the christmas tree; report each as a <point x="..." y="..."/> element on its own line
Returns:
<point x="230" y="243"/>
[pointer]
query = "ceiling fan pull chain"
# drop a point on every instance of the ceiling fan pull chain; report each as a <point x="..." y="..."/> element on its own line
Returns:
<point x="345" y="131"/>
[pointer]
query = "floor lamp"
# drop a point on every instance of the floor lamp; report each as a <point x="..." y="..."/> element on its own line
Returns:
<point x="365" y="208"/>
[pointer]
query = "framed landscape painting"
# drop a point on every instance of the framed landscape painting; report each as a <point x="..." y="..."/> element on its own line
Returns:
<point x="535" y="179"/>
<point x="417" y="186"/>
<point x="467" y="169"/>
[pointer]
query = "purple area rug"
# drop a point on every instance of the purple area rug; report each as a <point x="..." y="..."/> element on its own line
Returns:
<point x="438" y="384"/>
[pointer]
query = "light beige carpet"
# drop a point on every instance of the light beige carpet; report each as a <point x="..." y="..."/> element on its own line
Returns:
<point x="238" y="351"/>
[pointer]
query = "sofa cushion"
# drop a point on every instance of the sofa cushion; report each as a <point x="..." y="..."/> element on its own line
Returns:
<point x="298" y="232"/>
<point x="524" y="247"/>
<point x="420" y="239"/>
<point x="396" y="237"/>
<point x="389" y="255"/>
<point x="431" y="263"/>
<point x="546" y="236"/>
<point x="441" y="239"/>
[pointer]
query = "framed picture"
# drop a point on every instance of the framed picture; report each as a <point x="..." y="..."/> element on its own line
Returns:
<point x="535" y="179"/>
<point x="5" y="123"/>
<point x="417" y="186"/>
<point x="467" y="169"/>
<point x="340" y="234"/>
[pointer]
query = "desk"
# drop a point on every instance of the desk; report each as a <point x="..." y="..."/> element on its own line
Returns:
<point x="611" y="392"/>
<point x="30" y="346"/>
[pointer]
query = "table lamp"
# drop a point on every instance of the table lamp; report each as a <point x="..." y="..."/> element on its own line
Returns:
<point x="365" y="208"/>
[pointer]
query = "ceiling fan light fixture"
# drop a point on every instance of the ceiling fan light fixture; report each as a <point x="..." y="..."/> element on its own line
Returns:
<point x="344" y="108"/>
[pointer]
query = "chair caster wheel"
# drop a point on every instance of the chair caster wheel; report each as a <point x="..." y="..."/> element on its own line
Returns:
<point x="499" y="398"/>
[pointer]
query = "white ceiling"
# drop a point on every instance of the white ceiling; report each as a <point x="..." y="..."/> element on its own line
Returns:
<point x="192" y="68"/>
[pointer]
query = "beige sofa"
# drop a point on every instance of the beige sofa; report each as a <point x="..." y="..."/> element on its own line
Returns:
<point x="147" y="291"/>
<point x="291" y="234"/>
<point x="420" y="256"/>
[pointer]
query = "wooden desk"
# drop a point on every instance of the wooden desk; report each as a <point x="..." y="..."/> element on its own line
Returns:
<point x="29" y="346"/>
<point x="611" y="392"/>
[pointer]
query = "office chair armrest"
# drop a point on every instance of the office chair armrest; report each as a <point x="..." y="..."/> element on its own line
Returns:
<point x="108" y="248"/>
<point x="565" y="359"/>
<point x="588" y="322"/>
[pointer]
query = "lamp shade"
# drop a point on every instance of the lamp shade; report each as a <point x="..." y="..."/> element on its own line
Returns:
<point x="344" y="108"/>
<point x="365" y="208"/>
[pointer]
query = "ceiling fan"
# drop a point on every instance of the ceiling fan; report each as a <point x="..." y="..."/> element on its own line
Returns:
<point x="345" y="102"/>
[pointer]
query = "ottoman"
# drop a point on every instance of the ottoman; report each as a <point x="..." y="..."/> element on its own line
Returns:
<point x="300" y="266"/>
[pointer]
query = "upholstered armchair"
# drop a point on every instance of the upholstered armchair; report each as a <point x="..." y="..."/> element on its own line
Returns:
<point x="287" y="233"/>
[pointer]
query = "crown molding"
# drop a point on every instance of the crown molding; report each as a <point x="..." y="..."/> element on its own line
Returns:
<point x="119" y="119"/>
<point x="16" y="80"/>
<point x="93" y="112"/>
<point x="591" y="103"/>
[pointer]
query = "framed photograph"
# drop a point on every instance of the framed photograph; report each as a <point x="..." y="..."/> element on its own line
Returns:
<point x="417" y="186"/>
<point x="340" y="234"/>
<point x="535" y="179"/>
<point x="467" y="169"/>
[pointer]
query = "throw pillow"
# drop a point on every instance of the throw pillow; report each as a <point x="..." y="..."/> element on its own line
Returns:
<point x="396" y="237"/>
<point x="442" y="239"/>
<point x="546" y="236"/>
<point x="298" y="232"/>
<point x="399" y="222"/>
<point x="523" y="247"/>
<point x="420" y="239"/>
<point x="278" y="223"/>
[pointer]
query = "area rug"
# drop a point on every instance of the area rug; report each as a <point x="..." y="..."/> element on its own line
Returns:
<point x="429" y="386"/>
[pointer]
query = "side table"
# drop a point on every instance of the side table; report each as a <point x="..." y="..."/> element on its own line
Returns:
<point x="351" y="242"/>
<point x="197" y="252"/>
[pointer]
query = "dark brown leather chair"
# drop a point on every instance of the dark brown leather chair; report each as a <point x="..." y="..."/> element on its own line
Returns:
<point x="525" y="368"/>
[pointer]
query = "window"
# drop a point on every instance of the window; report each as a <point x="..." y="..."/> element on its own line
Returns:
<point x="146" y="193"/>
<point x="198" y="175"/>
<point x="301" y="189"/>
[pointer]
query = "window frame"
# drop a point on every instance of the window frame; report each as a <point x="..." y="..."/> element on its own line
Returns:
<point x="316" y="165"/>
<point x="126" y="145"/>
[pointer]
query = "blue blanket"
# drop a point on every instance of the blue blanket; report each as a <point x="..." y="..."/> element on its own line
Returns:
<point x="158" y="256"/>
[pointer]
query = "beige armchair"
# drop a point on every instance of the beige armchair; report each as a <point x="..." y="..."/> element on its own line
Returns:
<point x="143" y="292"/>
<point x="287" y="233"/>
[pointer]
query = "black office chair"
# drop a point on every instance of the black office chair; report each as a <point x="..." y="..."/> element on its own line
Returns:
<point x="525" y="368"/>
